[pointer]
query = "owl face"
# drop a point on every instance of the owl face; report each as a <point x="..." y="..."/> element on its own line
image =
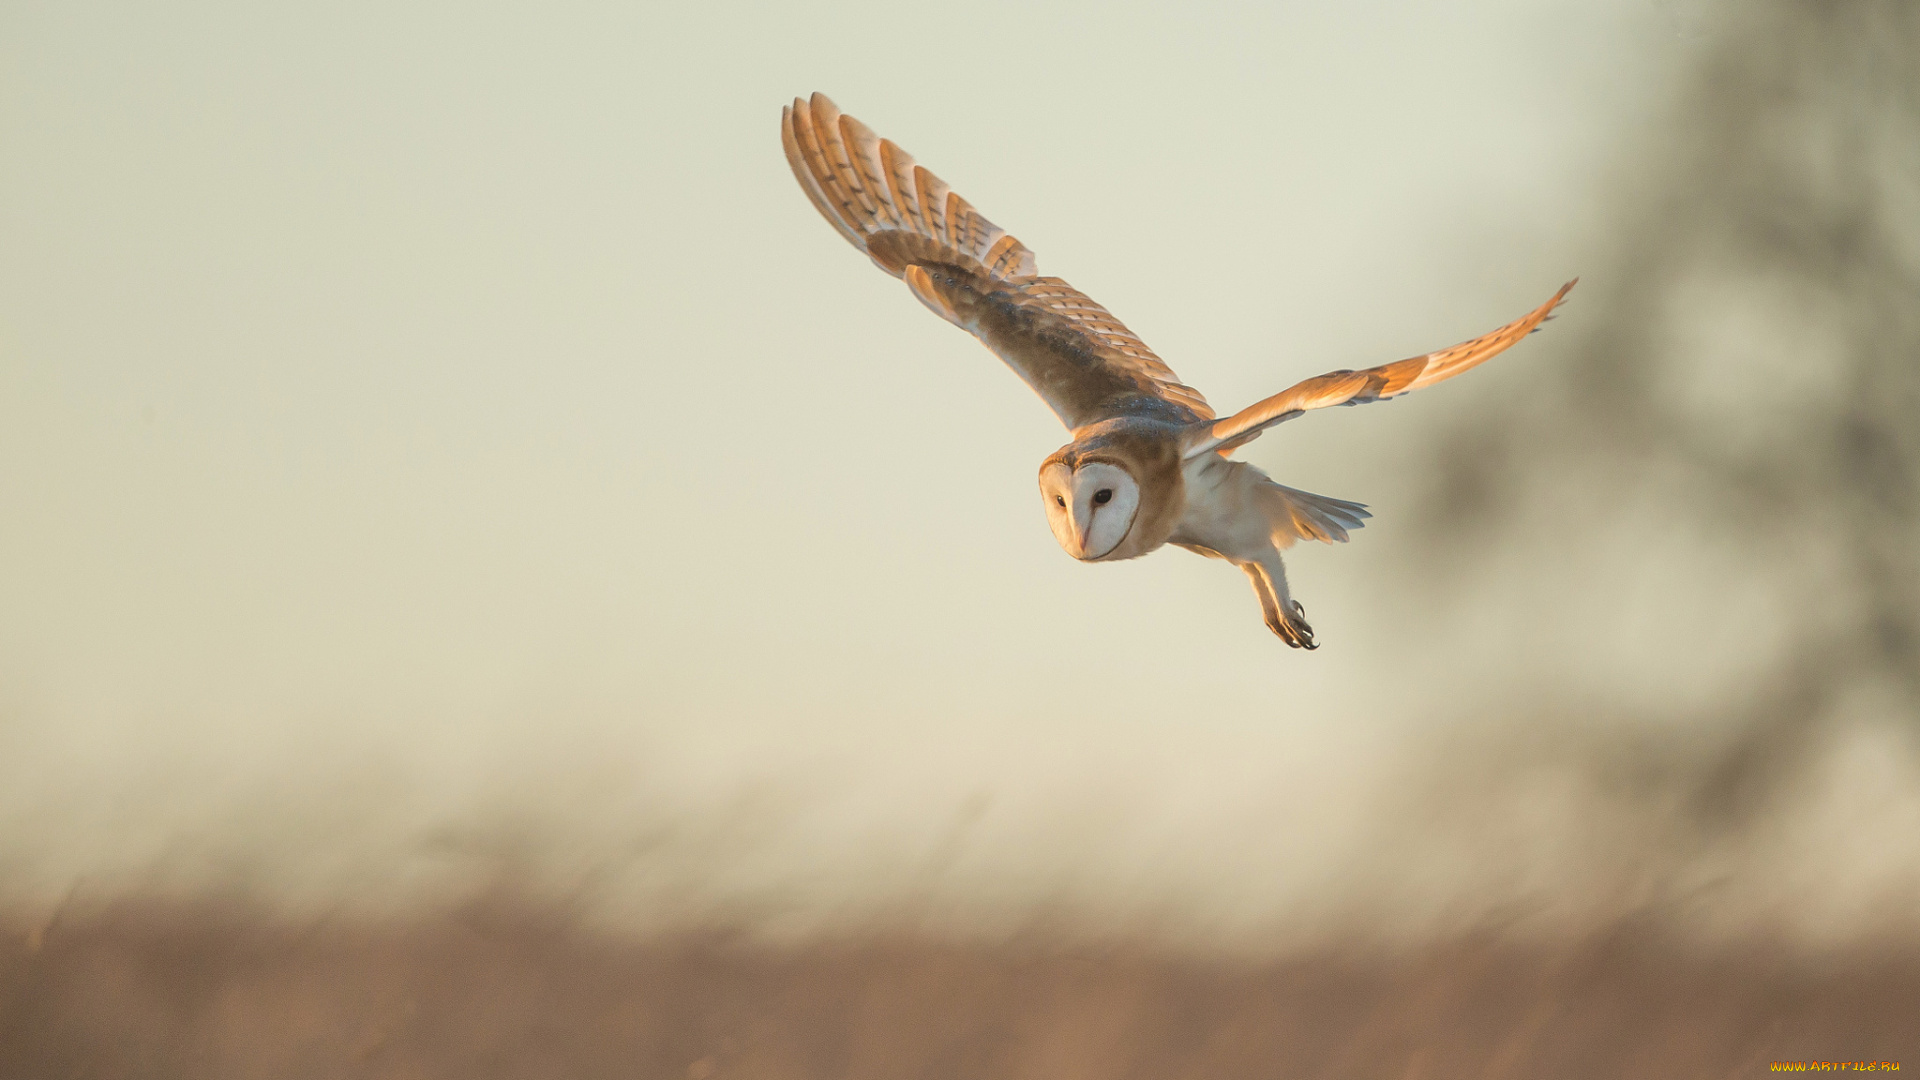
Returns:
<point x="1089" y="507"/>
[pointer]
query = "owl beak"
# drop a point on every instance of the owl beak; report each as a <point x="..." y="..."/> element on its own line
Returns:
<point x="1085" y="531"/>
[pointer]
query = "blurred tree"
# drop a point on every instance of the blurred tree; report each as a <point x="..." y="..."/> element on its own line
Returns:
<point x="1749" y="375"/>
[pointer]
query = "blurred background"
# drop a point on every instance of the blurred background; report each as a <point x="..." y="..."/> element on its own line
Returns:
<point x="491" y="585"/>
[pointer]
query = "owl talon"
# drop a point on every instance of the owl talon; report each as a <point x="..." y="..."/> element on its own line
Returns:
<point x="1302" y="636"/>
<point x="1293" y="628"/>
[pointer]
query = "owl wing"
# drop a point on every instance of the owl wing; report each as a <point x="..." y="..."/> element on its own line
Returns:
<point x="1372" y="384"/>
<point x="1084" y="363"/>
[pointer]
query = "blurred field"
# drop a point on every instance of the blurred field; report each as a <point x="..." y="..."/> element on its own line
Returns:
<point x="503" y="990"/>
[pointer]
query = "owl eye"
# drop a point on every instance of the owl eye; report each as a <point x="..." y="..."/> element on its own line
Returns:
<point x="1059" y="500"/>
<point x="1104" y="495"/>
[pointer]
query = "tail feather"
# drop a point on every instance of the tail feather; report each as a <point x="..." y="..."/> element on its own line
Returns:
<point x="1303" y="515"/>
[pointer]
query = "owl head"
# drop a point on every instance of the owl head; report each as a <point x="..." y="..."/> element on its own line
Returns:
<point x="1090" y="504"/>
<point x="1115" y="492"/>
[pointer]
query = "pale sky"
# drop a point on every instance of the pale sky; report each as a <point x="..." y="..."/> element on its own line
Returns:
<point x="453" y="395"/>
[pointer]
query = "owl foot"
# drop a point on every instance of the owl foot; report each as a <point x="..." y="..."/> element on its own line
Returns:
<point x="1292" y="627"/>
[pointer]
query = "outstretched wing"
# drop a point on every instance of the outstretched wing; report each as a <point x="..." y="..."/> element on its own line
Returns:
<point x="1373" y="384"/>
<point x="1081" y="360"/>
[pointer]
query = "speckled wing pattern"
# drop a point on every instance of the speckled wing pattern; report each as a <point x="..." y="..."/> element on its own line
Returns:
<point x="1372" y="384"/>
<point x="1081" y="360"/>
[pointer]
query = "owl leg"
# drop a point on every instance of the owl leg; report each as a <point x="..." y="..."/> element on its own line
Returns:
<point x="1284" y="615"/>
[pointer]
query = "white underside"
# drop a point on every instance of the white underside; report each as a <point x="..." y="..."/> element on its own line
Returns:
<point x="1235" y="512"/>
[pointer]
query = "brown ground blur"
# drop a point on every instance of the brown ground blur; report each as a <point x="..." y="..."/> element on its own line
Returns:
<point x="216" y="990"/>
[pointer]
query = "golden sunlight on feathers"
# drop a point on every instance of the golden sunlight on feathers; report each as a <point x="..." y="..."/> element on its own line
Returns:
<point x="1084" y="362"/>
<point x="1372" y="384"/>
<point x="1147" y="465"/>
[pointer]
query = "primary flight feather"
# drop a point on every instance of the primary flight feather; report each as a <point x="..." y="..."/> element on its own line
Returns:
<point x="1147" y="465"/>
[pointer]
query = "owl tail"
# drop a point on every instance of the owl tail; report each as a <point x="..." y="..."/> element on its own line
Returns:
<point x="1301" y="515"/>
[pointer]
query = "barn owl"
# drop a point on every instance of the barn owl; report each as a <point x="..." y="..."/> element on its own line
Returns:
<point x="1148" y="464"/>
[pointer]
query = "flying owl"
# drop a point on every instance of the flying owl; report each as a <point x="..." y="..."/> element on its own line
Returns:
<point x="1148" y="463"/>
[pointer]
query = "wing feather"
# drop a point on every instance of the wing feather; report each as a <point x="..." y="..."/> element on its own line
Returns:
<point x="900" y="168"/>
<point x="796" y="134"/>
<point x="1372" y="384"/>
<point x="863" y="153"/>
<point x="855" y="199"/>
<point x="1082" y="360"/>
<point x="933" y="201"/>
